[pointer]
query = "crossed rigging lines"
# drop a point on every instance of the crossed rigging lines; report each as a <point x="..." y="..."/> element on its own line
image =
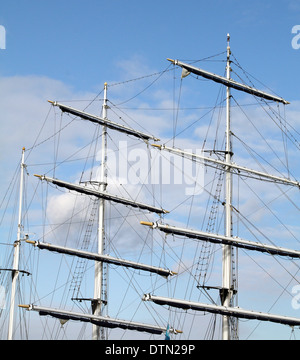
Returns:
<point x="213" y="214"/>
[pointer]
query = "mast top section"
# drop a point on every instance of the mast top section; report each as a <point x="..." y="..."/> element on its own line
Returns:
<point x="228" y="51"/>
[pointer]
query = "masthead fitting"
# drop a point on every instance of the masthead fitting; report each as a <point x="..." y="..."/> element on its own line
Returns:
<point x="228" y="45"/>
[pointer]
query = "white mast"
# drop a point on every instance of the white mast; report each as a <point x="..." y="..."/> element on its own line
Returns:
<point x="98" y="286"/>
<point x="97" y="318"/>
<point x="227" y="249"/>
<point x="15" y="269"/>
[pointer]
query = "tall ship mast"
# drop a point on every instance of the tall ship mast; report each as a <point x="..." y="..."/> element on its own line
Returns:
<point x="117" y="237"/>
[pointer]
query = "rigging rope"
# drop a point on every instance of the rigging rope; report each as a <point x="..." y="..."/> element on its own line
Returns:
<point x="177" y="256"/>
<point x="206" y="248"/>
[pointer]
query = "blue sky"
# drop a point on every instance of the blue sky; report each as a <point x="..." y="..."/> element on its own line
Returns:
<point x="68" y="49"/>
<point x="80" y="42"/>
<point x="81" y="45"/>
